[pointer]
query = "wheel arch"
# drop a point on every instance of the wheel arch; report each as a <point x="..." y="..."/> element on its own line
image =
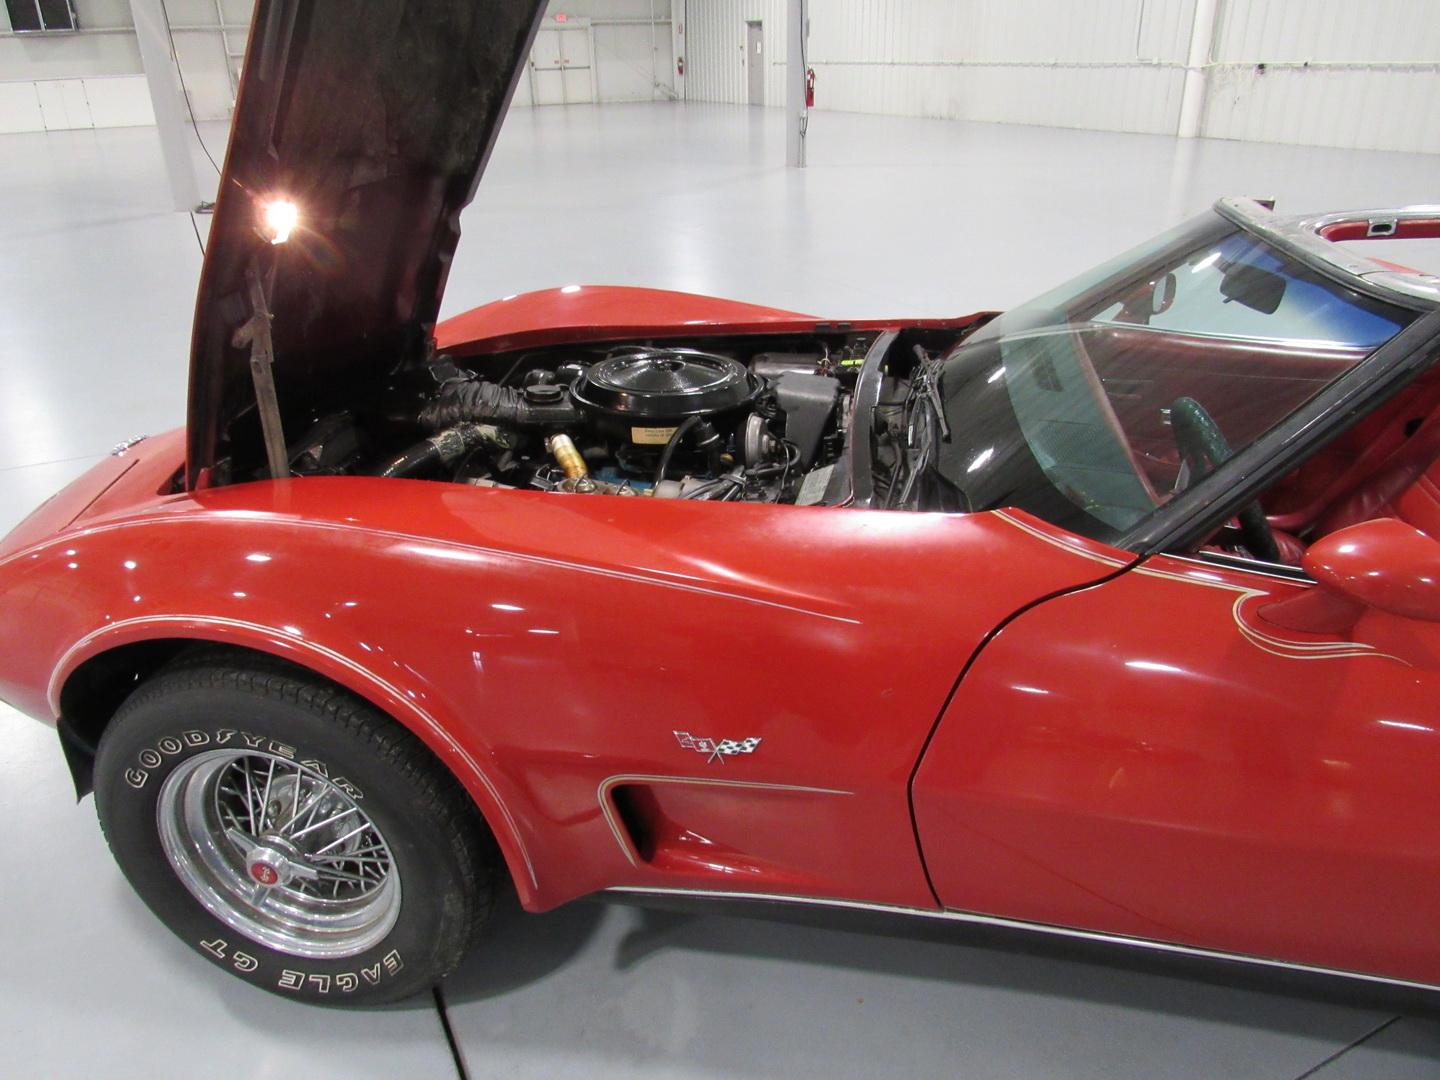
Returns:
<point x="97" y="674"/>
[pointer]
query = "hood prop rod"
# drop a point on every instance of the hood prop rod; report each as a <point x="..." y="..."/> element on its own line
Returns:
<point x="255" y="332"/>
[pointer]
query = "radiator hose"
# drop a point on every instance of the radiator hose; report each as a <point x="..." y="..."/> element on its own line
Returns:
<point x="476" y="400"/>
<point x="443" y="449"/>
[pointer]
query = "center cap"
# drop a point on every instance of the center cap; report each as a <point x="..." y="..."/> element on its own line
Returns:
<point x="266" y="866"/>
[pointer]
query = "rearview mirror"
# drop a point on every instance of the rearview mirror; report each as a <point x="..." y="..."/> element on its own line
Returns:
<point x="1257" y="288"/>
<point x="1384" y="564"/>
<point x="1162" y="295"/>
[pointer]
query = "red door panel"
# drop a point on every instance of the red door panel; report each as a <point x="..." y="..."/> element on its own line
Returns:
<point x="1150" y="757"/>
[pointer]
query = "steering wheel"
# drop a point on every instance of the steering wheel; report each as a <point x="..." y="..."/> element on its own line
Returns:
<point x="1203" y="447"/>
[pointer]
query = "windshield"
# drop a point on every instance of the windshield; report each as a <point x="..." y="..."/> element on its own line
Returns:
<point x="1062" y="407"/>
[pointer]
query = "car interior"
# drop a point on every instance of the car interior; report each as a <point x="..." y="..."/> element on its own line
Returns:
<point x="1387" y="465"/>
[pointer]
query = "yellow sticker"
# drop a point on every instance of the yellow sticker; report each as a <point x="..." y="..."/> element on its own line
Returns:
<point x="651" y="436"/>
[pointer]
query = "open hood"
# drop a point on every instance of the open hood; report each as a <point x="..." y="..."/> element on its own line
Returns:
<point x="374" y="119"/>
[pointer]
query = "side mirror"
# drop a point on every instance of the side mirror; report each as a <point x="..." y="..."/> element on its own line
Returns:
<point x="1384" y="564"/>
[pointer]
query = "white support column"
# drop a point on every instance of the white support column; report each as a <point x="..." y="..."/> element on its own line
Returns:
<point x="1197" y="67"/>
<point x="167" y="99"/>
<point x="679" y="9"/>
<point x="797" y="24"/>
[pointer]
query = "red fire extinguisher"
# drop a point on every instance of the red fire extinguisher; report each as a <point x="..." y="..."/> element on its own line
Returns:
<point x="809" y="88"/>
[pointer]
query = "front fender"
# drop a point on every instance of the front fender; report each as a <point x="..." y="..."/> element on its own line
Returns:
<point x="553" y="650"/>
<point x="119" y="584"/>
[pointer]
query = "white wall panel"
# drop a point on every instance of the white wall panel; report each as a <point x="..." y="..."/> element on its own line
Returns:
<point x="633" y="42"/>
<point x="1361" y="73"/>
<point x="71" y="104"/>
<point x="632" y="61"/>
<point x="119" y="101"/>
<point x="715" y="64"/>
<point x="633" y="49"/>
<point x="20" y="108"/>
<point x="106" y="46"/>
<point x="93" y="51"/>
<point x="1105" y="63"/>
<point x="1328" y="72"/>
<point x="62" y="104"/>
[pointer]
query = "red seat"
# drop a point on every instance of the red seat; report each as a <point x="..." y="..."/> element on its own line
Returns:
<point x="1405" y="486"/>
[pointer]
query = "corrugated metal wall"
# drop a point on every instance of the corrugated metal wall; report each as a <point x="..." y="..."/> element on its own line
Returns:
<point x="1329" y="72"/>
<point x="1372" y="80"/>
<point x="1104" y="63"/>
<point x="715" y="47"/>
<point x="1115" y="64"/>
<point x="630" y="45"/>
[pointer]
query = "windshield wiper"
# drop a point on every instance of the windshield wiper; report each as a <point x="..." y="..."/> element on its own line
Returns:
<point x="929" y="378"/>
<point x="924" y="416"/>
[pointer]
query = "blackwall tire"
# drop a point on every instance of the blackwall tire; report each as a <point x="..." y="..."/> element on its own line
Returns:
<point x="363" y="879"/>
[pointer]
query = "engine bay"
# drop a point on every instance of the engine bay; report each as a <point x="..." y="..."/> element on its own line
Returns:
<point x="753" y="419"/>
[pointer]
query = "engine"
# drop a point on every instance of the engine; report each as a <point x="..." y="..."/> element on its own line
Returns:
<point x="694" y="421"/>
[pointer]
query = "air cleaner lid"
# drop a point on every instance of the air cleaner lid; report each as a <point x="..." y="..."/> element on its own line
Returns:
<point x="665" y="383"/>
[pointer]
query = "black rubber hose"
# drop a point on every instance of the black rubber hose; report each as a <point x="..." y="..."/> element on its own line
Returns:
<point x="410" y="461"/>
<point x="676" y="437"/>
<point x="475" y="400"/>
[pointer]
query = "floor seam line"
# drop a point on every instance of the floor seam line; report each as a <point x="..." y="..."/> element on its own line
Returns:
<point x="456" y="1055"/>
<point x="1346" y="1049"/>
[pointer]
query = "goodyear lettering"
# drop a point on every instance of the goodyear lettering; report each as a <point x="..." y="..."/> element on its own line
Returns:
<point x="153" y="757"/>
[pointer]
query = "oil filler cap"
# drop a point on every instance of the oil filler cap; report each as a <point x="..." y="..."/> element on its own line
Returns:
<point x="544" y="394"/>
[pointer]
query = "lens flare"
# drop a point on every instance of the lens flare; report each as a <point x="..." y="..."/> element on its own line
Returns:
<point x="280" y="217"/>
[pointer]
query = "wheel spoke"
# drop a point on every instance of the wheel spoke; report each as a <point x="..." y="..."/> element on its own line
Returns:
<point x="375" y="859"/>
<point x="371" y="849"/>
<point x="295" y="808"/>
<point x="265" y="798"/>
<point x="315" y="807"/>
<point x="311" y="804"/>
<point x="340" y="840"/>
<point x="328" y="821"/>
<point x="249" y="796"/>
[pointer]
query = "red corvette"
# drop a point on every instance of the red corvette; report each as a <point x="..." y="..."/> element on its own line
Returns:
<point x="1112" y="616"/>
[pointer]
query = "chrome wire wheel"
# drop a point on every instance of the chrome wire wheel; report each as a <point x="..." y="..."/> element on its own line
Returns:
<point x="279" y="852"/>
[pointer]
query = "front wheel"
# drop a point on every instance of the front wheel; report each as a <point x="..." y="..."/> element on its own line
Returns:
<point x="291" y="833"/>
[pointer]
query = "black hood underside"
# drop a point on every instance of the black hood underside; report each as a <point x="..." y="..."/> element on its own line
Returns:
<point x="375" y="118"/>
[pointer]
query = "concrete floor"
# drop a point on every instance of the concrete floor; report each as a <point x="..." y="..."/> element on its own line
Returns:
<point x="894" y="217"/>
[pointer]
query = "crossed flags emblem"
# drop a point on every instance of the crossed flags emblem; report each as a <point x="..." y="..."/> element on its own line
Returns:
<point x="716" y="750"/>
